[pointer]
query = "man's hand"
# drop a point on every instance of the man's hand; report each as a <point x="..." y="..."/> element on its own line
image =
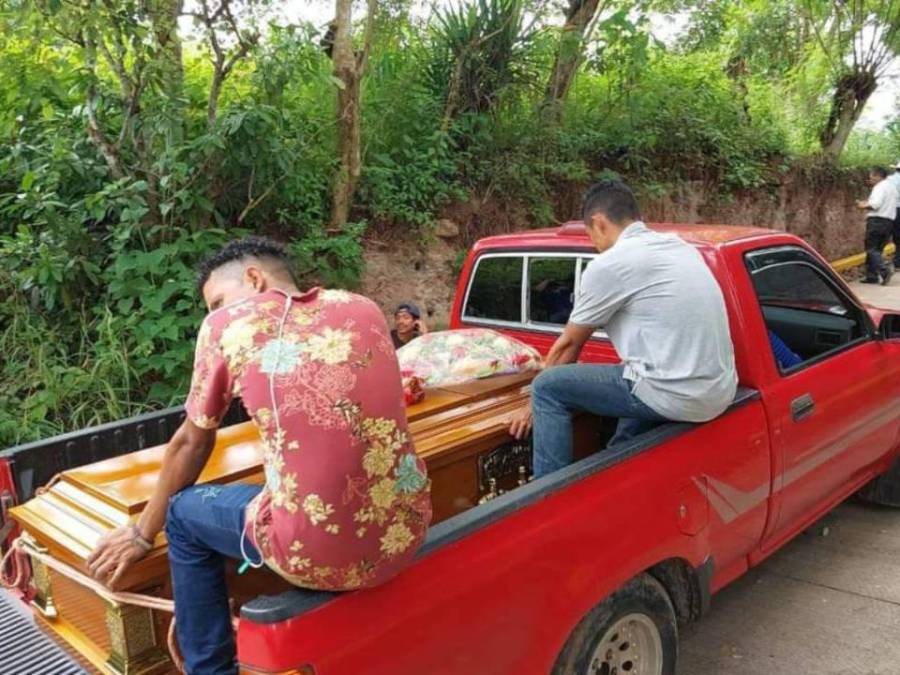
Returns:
<point x="421" y="326"/>
<point x="520" y="422"/>
<point x="861" y="204"/>
<point x="185" y="457"/>
<point x="115" y="553"/>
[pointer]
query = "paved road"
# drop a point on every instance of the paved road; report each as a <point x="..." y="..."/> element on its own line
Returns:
<point x="887" y="297"/>
<point x="826" y="604"/>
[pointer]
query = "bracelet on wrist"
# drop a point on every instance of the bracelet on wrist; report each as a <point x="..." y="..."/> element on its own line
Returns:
<point x="141" y="540"/>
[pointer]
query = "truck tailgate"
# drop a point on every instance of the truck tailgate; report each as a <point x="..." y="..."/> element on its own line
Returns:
<point x="24" y="648"/>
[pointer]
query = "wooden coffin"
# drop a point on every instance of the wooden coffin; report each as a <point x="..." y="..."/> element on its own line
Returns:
<point x="460" y="431"/>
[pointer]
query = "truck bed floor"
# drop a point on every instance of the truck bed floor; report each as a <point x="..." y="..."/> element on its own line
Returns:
<point x="24" y="649"/>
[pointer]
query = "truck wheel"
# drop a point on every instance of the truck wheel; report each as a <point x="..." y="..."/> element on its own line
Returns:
<point x="885" y="489"/>
<point x="632" y="632"/>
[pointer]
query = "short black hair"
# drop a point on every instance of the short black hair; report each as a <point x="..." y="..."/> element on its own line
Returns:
<point x="612" y="198"/>
<point x="878" y="171"/>
<point x="238" y="249"/>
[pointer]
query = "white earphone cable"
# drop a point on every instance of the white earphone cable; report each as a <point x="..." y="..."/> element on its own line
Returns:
<point x="278" y="435"/>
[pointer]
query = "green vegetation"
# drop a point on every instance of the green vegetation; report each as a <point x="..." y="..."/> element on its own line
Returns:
<point x="135" y="137"/>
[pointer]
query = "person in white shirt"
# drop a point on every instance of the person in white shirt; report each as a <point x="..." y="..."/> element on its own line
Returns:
<point x="881" y="212"/>
<point x="894" y="178"/>
<point x="663" y="311"/>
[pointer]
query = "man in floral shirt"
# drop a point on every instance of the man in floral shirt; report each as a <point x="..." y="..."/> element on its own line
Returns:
<point x="346" y="500"/>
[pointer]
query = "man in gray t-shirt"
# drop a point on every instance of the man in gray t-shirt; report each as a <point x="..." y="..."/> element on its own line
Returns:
<point x="664" y="313"/>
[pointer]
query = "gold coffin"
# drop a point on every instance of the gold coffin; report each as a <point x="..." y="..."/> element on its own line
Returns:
<point x="460" y="432"/>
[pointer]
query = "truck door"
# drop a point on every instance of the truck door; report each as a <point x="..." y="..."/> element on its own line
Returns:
<point x="829" y="412"/>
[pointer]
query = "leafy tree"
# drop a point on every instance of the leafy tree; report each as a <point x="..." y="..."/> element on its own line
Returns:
<point x="860" y="39"/>
<point x="480" y="50"/>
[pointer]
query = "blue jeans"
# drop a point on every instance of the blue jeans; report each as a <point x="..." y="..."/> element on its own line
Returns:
<point x="203" y="526"/>
<point x="561" y="391"/>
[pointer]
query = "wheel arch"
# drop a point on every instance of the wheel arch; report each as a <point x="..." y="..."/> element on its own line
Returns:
<point x="688" y="586"/>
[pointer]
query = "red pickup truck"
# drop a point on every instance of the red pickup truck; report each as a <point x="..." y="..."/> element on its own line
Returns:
<point x="590" y="570"/>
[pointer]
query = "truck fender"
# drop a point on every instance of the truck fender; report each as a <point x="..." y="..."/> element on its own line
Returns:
<point x="689" y="587"/>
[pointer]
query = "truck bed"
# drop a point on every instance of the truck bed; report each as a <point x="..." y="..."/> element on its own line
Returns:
<point x="34" y="464"/>
<point x="298" y="601"/>
<point x="24" y="645"/>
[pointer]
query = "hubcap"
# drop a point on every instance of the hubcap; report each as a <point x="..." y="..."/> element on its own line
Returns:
<point x="631" y="646"/>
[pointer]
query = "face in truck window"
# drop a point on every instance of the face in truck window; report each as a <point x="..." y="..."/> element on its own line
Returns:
<point x="551" y="289"/>
<point x="805" y="312"/>
<point x="495" y="293"/>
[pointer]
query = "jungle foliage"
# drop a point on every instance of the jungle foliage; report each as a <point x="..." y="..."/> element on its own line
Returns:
<point x="137" y="136"/>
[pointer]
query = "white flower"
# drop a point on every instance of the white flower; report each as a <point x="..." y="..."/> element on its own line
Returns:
<point x="396" y="539"/>
<point x="335" y="296"/>
<point x="279" y="357"/>
<point x="237" y="338"/>
<point x="383" y="493"/>
<point x="332" y="346"/>
<point x="317" y="510"/>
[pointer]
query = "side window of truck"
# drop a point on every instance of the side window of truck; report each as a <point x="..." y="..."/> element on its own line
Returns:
<point x="551" y="289"/>
<point x="495" y="292"/>
<point x="807" y="314"/>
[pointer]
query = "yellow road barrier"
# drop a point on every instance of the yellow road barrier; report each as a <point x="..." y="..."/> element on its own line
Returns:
<point x="852" y="261"/>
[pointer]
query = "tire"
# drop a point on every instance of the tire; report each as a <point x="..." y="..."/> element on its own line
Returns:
<point x="884" y="490"/>
<point x="638" y="620"/>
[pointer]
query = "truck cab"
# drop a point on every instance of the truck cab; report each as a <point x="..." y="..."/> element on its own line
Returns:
<point x="825" y="430"/>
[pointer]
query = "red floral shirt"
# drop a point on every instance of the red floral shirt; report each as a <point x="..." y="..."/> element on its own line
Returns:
<point x="346" y="502"/>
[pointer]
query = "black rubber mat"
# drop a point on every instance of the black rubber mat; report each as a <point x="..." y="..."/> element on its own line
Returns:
<point x="24" y="649"/>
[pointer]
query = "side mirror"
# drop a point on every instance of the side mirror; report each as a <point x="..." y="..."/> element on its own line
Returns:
<point x="889" y="327"/>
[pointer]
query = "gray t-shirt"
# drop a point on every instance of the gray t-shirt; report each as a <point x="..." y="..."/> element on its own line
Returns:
<point x="665" y="315"/>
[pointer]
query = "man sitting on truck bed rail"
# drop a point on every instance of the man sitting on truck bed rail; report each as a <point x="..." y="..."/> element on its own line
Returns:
<point x="345" y="503"/>
<point x="665" y="315"/>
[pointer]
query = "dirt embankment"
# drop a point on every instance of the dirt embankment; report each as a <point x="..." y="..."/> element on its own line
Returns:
<point x="816" y="204"/>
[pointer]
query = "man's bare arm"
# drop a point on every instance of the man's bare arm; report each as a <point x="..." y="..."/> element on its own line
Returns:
<point x="568" y="346"/>
<point x="185" y="457"/>
<point x="566" y="349"/>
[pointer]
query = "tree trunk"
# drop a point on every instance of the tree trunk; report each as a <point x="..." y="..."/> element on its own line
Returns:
<point x="164" y="16"/>
<point x="349" y="169"/>
<point x="850" y="96"/>
<point x="569" y="53"/>
<point x="348" y="68"/>
<point x="105" y="147"/>
<point x="215" y="91"/>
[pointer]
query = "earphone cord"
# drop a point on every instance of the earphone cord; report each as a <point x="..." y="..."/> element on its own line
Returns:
<point x="278" y="436"/>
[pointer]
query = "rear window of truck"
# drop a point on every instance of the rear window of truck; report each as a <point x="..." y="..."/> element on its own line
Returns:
<point x="524" y="289"/>
<point x="495" y="293"/>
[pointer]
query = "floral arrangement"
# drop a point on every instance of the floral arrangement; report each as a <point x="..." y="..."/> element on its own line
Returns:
<point x="413" y="391"/>
<point x="453" y="357"/>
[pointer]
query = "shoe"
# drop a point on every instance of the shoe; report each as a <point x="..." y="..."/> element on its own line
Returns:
<point x="886" y="277"/>
<point x="869" y="281"/>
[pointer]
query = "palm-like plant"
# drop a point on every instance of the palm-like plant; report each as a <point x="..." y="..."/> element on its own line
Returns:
<point x="479" y="50"/>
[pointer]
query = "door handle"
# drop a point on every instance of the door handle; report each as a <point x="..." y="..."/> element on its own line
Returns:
<point x="802" y="407"/>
